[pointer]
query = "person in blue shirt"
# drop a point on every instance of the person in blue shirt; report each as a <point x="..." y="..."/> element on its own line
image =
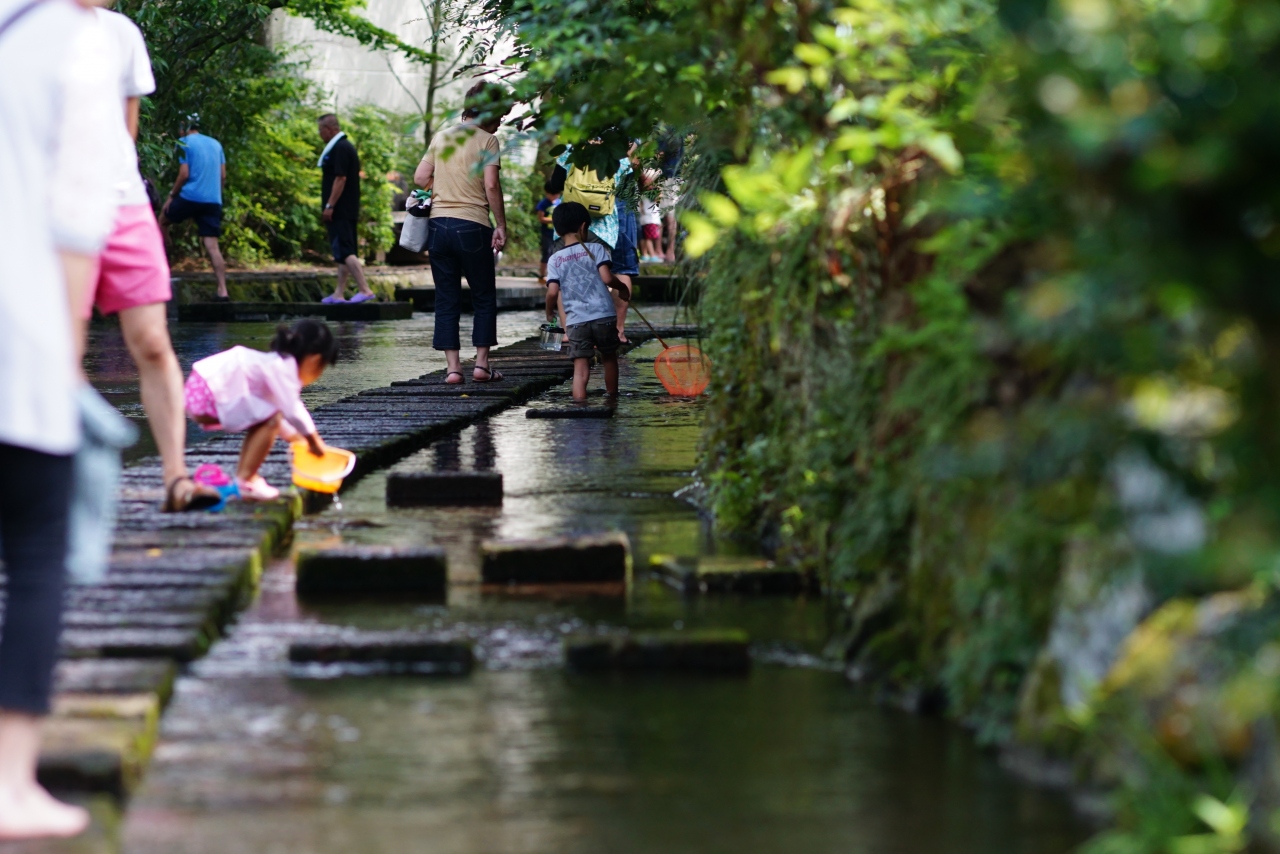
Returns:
<point x="197" y="194"/>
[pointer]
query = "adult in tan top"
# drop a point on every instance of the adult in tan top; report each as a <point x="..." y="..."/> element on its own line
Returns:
<point x="461" y="169"/>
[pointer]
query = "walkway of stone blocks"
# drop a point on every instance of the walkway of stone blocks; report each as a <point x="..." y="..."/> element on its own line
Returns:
<point x="176" y="580"/>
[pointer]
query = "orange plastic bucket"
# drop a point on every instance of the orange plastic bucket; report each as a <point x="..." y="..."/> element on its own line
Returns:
<point x="321" y="474"/>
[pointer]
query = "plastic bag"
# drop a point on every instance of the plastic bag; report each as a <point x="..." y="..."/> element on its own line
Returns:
<point x="94" y="500"/>
<point x="417" y="225"/>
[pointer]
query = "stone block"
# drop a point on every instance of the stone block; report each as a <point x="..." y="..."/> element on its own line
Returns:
<point x="443" y="488"/>
<point x="99" y="744"/>
<point x="730" y="574"/>
<point x="593" y="558"/>
<point x="570" y="412"/>
<point x="116" y="676"/>
<point x="397" y="651"/>
<point x="178" y="644"/>
<point x="373" y="571"/>
<point x="709" y="650"/>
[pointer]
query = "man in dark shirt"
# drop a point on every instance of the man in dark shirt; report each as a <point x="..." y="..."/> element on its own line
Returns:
<point x="340" y="191"/>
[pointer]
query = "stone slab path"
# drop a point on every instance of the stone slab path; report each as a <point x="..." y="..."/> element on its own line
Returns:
<point x="176" y="580"/>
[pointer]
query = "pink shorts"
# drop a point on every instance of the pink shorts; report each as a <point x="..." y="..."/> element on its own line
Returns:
<point x="132" y="269"/>
<point x="199" y="400"/>
<point x="652" y="231"/>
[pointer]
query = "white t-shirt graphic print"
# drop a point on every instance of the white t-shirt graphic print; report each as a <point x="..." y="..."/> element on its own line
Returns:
<point x="577" y="269"/>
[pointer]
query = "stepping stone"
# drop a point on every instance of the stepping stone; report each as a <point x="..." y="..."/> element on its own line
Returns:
<point x="179" y="644"/>
<point x="116" y="676"/>
<point x="98" y="744"/>
<point x="731" y="574"/>
<point x="592" y="558"/>
<point x="713" y="650"/>
<point x="414" y="652"/>
<point x="373" y="571"/>
<point x="571" y="412"/>
<point x="423" y="488"/>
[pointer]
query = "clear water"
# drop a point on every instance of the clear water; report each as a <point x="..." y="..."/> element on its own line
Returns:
<point x="523" y="756"/>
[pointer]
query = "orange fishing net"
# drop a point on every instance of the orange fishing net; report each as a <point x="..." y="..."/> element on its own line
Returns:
<point x="684" y="370"/>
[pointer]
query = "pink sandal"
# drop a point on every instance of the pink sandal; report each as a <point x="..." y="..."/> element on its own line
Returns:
<point x="256" y="489"/>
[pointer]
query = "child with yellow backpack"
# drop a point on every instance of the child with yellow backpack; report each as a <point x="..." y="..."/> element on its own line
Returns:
<point x="613" y="222"/>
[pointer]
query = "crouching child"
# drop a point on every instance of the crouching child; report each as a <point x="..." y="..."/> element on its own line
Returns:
<point x="260" y="394"/>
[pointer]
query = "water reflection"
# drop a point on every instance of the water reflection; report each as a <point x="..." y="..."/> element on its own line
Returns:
<point x="522" y="756"/>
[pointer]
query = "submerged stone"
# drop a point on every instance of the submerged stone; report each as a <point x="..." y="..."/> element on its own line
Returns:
<point x="730" y="574"/>
<point x="713" y="650"/>
<point x="387" y="648"/>
<point x="591" y="558"/>
<point x="426" y="488"/>
<point x="373" y="570"/>
<point x="570" y="412"/>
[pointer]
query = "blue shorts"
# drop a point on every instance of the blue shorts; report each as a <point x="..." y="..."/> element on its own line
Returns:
<point x="625" y="260"/>
<point x="208" y="215"/>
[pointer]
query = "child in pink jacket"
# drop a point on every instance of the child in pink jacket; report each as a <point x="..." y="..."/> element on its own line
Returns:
<point x="242" y="389"/>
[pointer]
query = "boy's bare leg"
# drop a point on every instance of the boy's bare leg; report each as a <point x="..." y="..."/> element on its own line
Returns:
<point x="218" y="262"/>
<point x="610" y="373"/>
<point x="257" y="444"/>
<point x="581" y="371"/>
<point x="357" y="271"/>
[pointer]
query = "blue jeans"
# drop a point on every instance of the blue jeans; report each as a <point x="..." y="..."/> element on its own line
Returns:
<point x="457" y="248"/>
<point x="625" y="260"/>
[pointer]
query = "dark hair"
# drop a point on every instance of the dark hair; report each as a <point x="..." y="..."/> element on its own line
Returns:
<point x="328" y="119"/>
<point x="305" y="338"/>
<point x="569" y="217"/>
<point x="486" y="101"/>
<point x="549" y="187"/>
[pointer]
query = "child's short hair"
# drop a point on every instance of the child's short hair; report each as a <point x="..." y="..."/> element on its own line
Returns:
<point x="305" y="338"/>
<point x="549" y="188"/>
<point x="569" y="218"/>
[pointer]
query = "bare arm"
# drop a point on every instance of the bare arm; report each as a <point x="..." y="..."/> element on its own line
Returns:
<point x="76" y="272"/>
<point x="425" y="175"/>
<point x="184" y="172"/>
<point x="132" y="106"/>
<point x="612" y="281"/>
<point x="339" y="184"/>
<point x="493" y="192"/>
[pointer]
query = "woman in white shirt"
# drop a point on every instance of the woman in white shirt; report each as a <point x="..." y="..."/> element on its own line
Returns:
<point x="56" y="91"/>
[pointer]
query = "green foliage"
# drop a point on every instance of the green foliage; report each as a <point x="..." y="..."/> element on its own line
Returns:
<point x="209" y="59"/>
<point x="960" y="263"/>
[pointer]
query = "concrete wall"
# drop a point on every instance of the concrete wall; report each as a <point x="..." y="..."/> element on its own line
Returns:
<point x="351" y="74"/>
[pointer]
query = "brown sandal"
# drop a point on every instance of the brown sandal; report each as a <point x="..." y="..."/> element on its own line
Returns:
<point x="494" y="376"/>
<point x="201" y="497"/>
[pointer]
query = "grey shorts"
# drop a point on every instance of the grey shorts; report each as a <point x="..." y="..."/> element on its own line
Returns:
<point x="586" y="338"/>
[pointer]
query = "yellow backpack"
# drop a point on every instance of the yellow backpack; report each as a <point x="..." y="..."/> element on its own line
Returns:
<point x="591" y="191"/>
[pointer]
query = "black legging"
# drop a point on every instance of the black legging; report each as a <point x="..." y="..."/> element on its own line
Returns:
<point x="35" y="496"/>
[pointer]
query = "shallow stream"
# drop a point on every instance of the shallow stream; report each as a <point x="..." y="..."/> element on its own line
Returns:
<point x="522" y="756"/>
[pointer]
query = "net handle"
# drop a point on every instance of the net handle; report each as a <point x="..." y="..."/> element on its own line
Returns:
<point x="665" y="345"/>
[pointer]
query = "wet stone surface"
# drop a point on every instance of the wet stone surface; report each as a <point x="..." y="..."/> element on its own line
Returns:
<point x="261" y="754"/>
<point x="372" y="571"/>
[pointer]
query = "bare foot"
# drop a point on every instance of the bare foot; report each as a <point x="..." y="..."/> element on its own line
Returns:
<point x="30" y="812"/>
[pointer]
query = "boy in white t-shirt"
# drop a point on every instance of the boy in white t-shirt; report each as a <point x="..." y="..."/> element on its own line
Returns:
<point x="581" y="274"/>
